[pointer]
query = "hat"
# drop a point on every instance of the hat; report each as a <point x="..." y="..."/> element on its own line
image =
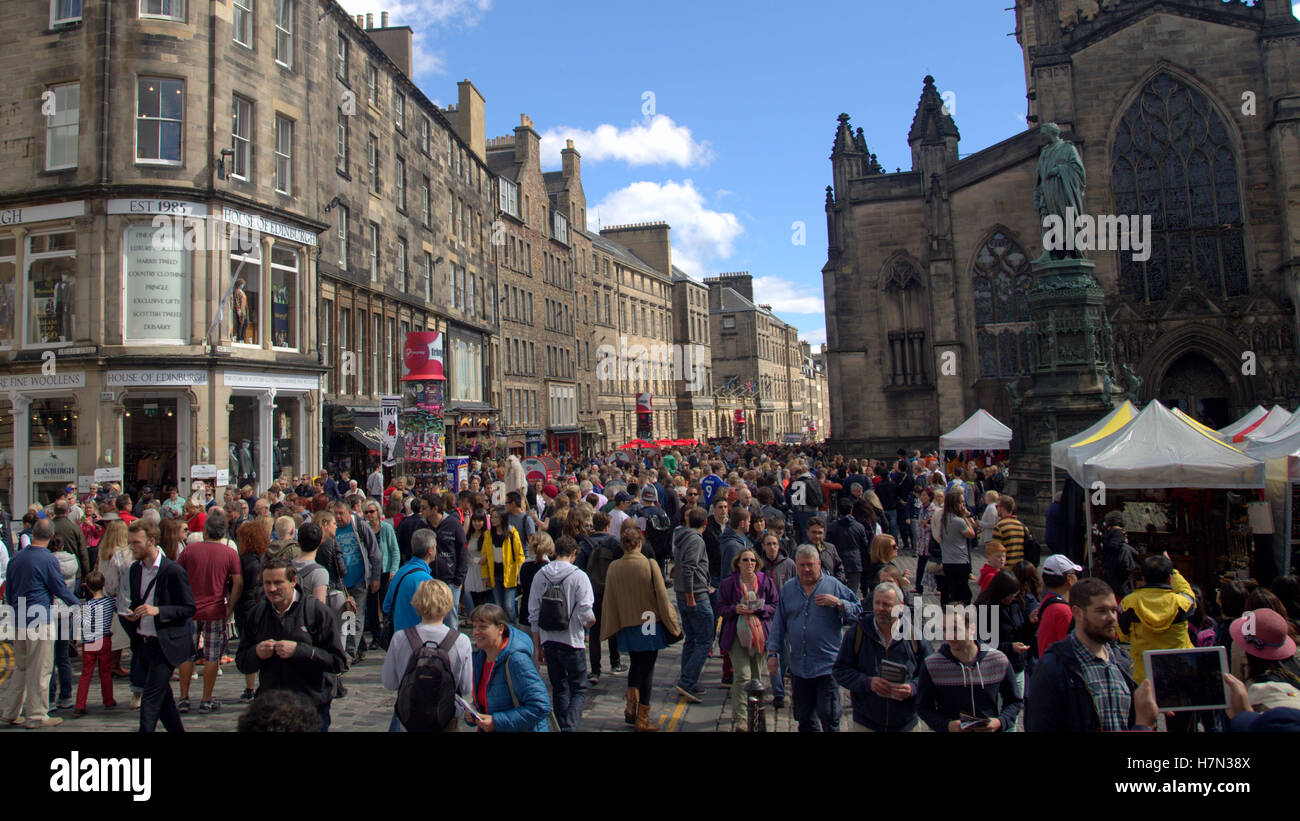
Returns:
<point x="649" y="494"/>
<point x="551" y="491"/>
<point x="621" y="497"/>
<point x="1266" y="695"/>
<point x="1263" y="634"/>
<point x="1059" y="565"/>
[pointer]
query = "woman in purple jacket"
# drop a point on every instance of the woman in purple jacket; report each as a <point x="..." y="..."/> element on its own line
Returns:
<point x="747" y="602"/>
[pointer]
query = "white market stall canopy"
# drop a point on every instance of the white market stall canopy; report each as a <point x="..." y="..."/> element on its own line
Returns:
<point x="1253" y="416"/>
<point x="1273" y="421"/>
<point x="1284" y="442"/>
<point x="1159" y="449"/>
<point x="980" y="432"/>
<point x="1090" y="440"/>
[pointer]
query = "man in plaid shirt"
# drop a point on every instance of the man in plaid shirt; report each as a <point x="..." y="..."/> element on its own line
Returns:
<point x="1084" y="682"/>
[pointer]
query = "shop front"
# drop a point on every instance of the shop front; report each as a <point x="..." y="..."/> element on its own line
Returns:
<point x="351" y="439"/>
<point x="271" y="419"/>
<point x="39" y="451"/>
<point x="533" y="442"/>
<point x="563" y="441"/>
<point x="155" y="407"/>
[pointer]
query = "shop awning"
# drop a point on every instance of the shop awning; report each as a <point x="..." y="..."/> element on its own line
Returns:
<point x="1284" y="442"/>
<point x="1273" y="421"/>
<point x="980" y="432"/>
<point x="1103" y="428"/>
<point x="1251" y="418"/>
<point x="1161" y="449"/>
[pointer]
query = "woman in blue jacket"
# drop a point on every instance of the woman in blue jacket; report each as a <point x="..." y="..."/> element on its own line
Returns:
<point x="508" y="692"/>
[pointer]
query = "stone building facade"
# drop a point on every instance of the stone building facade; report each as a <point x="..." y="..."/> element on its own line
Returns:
<point x="757" y="361"/>
<point x="1184" y="110"/>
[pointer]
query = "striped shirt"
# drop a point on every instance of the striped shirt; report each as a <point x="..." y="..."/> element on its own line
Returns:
<point x="1106" y="685"/>
<point x="97" y="618"/>
<point x="1010" y="531"/>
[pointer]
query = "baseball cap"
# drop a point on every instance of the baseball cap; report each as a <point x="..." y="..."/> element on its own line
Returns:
<point x="1059" y="565"/>
<point x="649" y="494"/>
<point x="621" y="497"/>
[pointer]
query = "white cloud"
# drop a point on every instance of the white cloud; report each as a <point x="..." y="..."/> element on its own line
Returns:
<point x="700" y="236"/>
<point x="788" y="297"/>
<point x="815" y="337"/>
<point x="422" y="16"/>
<point x="655" y="141"/>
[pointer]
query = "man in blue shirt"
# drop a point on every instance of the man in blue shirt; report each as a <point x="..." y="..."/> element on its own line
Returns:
<point x="32" y="584"/>
<point x="418" y="569"/>
<point x="810" y="619"/>
<point x="710" y="485"/>
<point x="362" y="566"/>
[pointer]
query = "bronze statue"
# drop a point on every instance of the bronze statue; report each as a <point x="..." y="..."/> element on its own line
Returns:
<point x="1058" y="188"/>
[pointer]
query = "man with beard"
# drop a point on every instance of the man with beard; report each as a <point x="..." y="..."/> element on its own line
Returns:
<point x="1083" y="682"/>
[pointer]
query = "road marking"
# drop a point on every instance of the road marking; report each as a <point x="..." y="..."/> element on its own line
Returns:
<point x="678" y="712"/>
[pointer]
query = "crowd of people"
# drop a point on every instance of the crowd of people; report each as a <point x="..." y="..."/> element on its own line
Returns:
<point x="499" y="604"/>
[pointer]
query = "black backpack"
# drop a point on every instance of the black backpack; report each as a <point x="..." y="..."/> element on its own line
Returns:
<point x="553" y="612"/>
<point x="426" y="697"/>
<point x="1033" y="551"/>
<point x="602" y="556"/>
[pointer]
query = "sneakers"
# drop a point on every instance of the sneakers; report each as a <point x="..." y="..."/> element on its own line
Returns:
<point x="693" y="698"/>
<point x="206" y="707"/>
<point x="6" y="723"/>
<point x="726" y="681"/>
<point x="619" y="668"/>
<point x="593" y="679"/>
<point x="778" y="703"/>
<point x="183" y="705"/>
<point x="67" y="703"/>
<point x="135" y="701"/>
<point x="41" y="725"/>
<point x="246" y="696"/>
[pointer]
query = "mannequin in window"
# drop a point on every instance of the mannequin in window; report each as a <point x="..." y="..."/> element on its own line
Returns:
<point x="62" y="309"/>
<point x="239" y="309"/>
<point x="234" y="463"/>
<point x="245" y="459"/>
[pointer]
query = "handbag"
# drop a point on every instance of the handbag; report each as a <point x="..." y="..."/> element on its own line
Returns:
<point x="749" y="627"/>
<point x="670" y="638"/>
<point x="551" y="721"/>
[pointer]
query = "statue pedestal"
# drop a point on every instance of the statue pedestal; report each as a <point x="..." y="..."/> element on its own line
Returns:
<point x="1071" y="383"/>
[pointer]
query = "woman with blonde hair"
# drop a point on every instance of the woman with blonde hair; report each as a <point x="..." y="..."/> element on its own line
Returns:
<point x="542" y="549"/>
<point x="432" y="602"/>
<point x="503" y="555"/>
<point x="633" y="587"/>
<point x="115" y="565"/>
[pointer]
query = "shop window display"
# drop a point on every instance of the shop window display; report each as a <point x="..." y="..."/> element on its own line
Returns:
<point x="284" y="457"/>
<point x="51" y="280"/>
<point x="51" y="447"/>
<point x="244" y="438"/>
<point x="149" y="443"/>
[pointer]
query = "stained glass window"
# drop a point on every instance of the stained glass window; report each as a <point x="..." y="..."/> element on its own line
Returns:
<point x="1172" y="159"/>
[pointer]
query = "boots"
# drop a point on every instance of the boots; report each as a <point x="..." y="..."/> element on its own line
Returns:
<point x="633" y="698"/>
<point x="118" y="671"/>
<point x="643" y="724"/>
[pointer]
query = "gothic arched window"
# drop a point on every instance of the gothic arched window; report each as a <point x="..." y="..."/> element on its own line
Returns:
<point x="905" y="322"/>
<point x="1001" y="281"/>
<point x="1172" y="159"/>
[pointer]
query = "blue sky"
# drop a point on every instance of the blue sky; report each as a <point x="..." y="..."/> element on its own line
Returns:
<point x="736" y="148"/>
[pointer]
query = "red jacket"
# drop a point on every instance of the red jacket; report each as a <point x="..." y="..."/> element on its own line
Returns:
<point x="987" y="572"/>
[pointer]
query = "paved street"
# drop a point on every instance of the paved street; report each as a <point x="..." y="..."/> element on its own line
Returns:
<point x="368" y="706"/>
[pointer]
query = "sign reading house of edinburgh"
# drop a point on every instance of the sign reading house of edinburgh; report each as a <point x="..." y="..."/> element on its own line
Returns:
<point x="135" y="379"/>
<point x="41" y="213"/>
<point x="41" y="381"/>
<point x="267" y="226"/>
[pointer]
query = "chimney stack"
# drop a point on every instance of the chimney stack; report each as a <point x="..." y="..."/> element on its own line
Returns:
<point x="383" y="19"/>
<point x="361" y="20"/>
<point x="370" y="20"/>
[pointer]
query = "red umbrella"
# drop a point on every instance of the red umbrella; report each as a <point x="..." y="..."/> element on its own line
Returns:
<point x="637" y="444"/>
<point x="665" y="443"/>
<point x="681" y="443"/>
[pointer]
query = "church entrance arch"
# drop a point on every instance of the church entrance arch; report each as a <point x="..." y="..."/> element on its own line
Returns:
<point x="1197" y="386"/>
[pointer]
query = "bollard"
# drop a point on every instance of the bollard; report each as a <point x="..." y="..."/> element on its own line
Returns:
<point x="754" y="692"/>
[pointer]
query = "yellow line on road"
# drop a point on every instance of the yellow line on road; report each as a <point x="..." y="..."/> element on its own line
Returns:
<point x="678" y="712"/>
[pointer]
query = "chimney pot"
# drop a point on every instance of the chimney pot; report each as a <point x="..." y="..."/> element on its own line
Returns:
<point x="370" y="20"/>
<point x="361" y="20"/>
<point x="383" y="19"/>
<point x="568" y="143"/>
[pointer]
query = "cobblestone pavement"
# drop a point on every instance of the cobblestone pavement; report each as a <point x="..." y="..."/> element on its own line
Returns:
<point x="368" y="707"/>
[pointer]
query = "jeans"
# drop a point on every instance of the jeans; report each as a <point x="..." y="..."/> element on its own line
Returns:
<point x="324" y="713"/>
<point x="816" y="701"/>
<point x="504" y="597"/>
<point x="593" y="645"/>
<point x="63" y="669"/>
<point x="452" y="619"/>
<point x="372" y="613"/>
<point x="801" y="525"/>
<point x="157" y="704"/>
<point x="891" y="524"/>
<point x="567" y="668"/>
<point x="778" y="680"/>
<point x="854" y="582"/>
<point x="353" y="636"/>
<point x="906" y="536"/>
<point x="698" y="626"/>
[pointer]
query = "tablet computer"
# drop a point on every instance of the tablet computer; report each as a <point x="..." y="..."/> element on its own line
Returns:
<point x="1188" y="679"/>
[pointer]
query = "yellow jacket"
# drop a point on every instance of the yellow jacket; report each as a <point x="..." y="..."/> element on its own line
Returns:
<point x="1155" y="618"/>
<point x="512" y="558"/>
